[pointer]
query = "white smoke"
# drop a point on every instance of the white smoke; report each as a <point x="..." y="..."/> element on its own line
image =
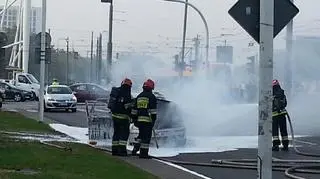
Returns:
<point x="209" y="109"/>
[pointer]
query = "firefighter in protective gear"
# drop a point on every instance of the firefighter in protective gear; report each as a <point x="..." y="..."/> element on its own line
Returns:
<point x="279" y="112"/>
<point x="55" y="81"/>
<point x="144" y="114"/>
<point x="120" y="104"/>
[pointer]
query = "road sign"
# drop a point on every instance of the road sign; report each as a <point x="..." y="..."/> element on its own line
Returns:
<point x="106" y="1"/>
<point x="38" y="54"/>
<point x="247" y="14"/>
<point x="48" y="39"/>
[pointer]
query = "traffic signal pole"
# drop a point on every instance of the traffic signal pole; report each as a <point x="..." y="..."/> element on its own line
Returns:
<point x="265" y="91"/>
<point x="42" y="60"/>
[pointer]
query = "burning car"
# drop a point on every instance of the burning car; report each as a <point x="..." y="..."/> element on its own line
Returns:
<point x="169" y="127"/>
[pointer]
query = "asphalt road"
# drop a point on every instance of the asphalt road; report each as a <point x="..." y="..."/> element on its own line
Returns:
<point x="78" y="119"/>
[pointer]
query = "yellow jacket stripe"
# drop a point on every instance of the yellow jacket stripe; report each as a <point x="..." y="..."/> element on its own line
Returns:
<point x="153" y="111"/>
<point x="144" y="119"/>
<point x="279" y="113"/>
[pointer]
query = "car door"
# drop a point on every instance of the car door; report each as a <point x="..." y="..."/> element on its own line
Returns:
<point x="92" y="92"/>
<point x="23" y="83"/>
<point x="3" y="87"/>
<point x="81" y="92"/>
<point x="9" y="92"/>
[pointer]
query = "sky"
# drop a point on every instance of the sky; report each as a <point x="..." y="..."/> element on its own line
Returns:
<point x="155" y="25"/>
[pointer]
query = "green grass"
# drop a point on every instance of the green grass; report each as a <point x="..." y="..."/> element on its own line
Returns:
<point x="12" y="121"/>
<point x="83" y="162"/>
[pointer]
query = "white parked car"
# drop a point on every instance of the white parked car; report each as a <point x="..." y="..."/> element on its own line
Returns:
<point x="59" y="97"/>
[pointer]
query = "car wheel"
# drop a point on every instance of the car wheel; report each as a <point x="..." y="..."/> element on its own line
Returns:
<point x="74" y="110"/>
<point x="23" y="99"/>
<point x="17" y="97"/>
<point x="67" y="110"/>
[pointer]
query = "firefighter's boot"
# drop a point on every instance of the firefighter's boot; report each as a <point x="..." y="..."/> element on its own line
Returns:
<point x="123" y="151"/>
<point x="135" y="150"/>
<point x="115" y="150"/>
<point x="144" y="153"/>
<point x="275" y="148"/>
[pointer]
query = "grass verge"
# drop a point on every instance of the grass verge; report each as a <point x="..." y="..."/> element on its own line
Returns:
<point x="12" y="121"/>
<point x="35" y="160"/>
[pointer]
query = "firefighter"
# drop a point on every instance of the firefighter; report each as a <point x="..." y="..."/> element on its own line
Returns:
<point x="55" y="81"/>
<point x="279" y="117"/>
<point x="120" y="104"/>
<point x="144" y="114"/>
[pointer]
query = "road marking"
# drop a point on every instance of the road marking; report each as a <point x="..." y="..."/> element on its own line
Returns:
<point x="183" y="169"/>
<point x="32" y="111"/>
<point x="98" y="110"/>
<point x="11" y="110"/>
<point x="305" y="142"/>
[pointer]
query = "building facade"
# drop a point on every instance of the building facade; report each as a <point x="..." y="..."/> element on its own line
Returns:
<point x="11" y="17"/>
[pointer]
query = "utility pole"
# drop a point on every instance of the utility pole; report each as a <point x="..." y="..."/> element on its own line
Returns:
<point x="99" y="54"/>
<point x="184" y="39"/>
<point x="109" y="55"/>
<point x="97" y="60"/>
<point x="67" y="66"/>
<point x="42" y="60"/>
<point x="91" y="58"/>
<point x="265" y="89"/>
<point x="196" y="47"/>
<point x="288" y="62"/>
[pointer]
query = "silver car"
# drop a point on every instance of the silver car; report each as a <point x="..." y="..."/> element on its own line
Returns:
<point x="59" y="97"/>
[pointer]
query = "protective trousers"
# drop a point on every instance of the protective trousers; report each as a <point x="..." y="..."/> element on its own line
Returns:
<point x="280" y="122"/>
<point x="143" y="140"/>
<point x="120" y="136"/>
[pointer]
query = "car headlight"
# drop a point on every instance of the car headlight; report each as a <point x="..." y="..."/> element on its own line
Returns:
<point x="49" y="99"/>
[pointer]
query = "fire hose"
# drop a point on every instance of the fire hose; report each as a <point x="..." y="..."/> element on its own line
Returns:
<point x="287" y="166"/>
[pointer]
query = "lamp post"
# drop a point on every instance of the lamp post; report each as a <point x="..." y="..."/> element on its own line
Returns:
<point x="109" y="51"/>
<point x="205" y="24"/>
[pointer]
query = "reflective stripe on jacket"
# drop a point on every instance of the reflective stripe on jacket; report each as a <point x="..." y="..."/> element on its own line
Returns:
<point x="276" y="113"/>
<point x="121" y="116"/>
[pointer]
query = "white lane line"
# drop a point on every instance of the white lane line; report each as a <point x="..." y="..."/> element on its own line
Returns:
<point x="183" y="169"/>
<point x="81" y="110"/>
<point x="305" y="142"/>
<point x="32" y="111"/>
<point x="11" y="110"/>
<point x="98" y="110"/>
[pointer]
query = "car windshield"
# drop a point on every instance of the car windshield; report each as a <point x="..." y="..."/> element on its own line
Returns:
<point x="32" y="78"/>
<point x="59" y="90"/>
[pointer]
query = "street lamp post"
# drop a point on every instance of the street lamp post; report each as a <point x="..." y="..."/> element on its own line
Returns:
<point x="109" y="51"/>
<point x="67" y="66"/>
<point x="182" y="66"/>
<point x="205" y="24"/>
